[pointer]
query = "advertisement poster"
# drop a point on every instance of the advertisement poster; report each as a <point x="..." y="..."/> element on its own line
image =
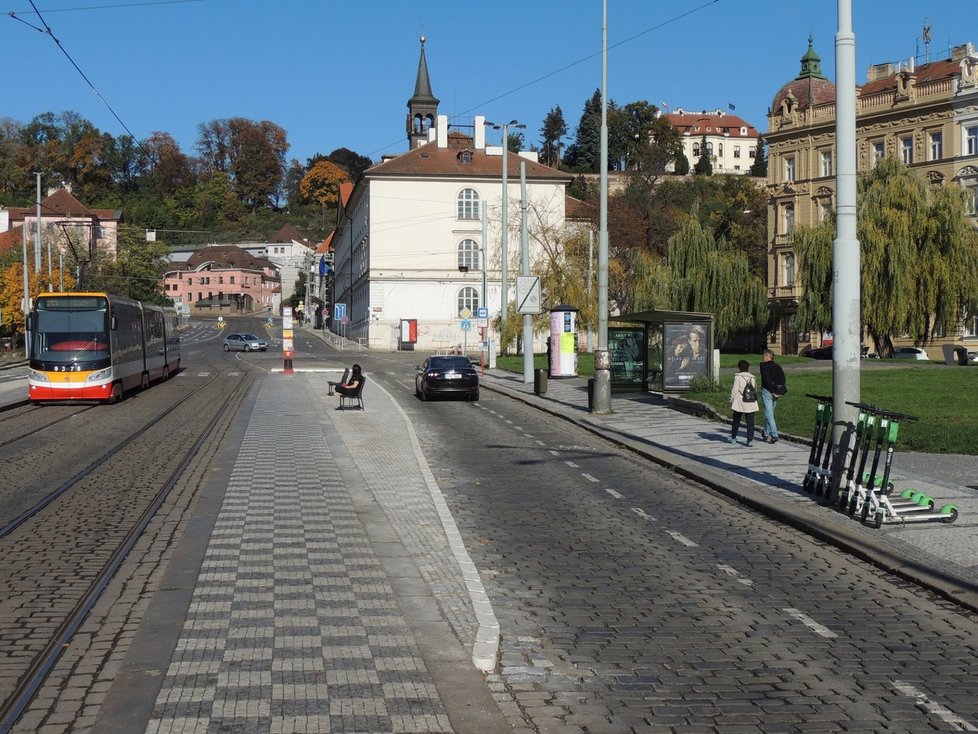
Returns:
<point x="687" y="348"/>
<point x="627" y="351"/>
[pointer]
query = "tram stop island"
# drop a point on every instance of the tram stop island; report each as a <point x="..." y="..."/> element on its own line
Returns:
<point x="660" y="351"/>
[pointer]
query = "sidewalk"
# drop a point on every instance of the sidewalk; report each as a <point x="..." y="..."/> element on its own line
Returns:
<point x="333" y="594"/>
<point x="939" y="556"/>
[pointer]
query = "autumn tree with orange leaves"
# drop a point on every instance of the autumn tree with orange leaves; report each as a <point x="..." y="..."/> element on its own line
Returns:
<point x="322" y="183"/>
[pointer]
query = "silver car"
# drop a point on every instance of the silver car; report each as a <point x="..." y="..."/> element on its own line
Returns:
<point x="244" y="343"/>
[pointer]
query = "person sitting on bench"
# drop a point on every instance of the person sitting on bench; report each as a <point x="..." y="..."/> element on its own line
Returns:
<point x="331" y="384"/>
<point x="351" y="385"/>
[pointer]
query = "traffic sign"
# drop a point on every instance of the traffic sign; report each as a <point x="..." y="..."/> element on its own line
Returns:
<point x="465" y="325"/>
<point x="339" y="311"/>
<point x="528" y="298"/>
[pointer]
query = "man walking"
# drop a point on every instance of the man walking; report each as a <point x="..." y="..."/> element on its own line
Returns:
<point x="773" y="386"/>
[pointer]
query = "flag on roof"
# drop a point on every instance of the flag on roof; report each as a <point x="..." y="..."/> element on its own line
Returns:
<point x="663" y="105"/>
<point x="731" y="105"/>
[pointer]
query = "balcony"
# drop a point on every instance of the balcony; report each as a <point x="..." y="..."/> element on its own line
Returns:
<point x="784" y="293"/>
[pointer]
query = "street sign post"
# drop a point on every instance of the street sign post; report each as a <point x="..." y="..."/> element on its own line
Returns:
<point x="528" y="298"/>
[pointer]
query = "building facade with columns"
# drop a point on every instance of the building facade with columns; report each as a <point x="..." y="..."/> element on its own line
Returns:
<point x="924" y="115"/>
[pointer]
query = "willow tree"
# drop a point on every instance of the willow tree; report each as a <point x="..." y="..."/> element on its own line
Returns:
<point x="919" y="257"/>
<point x="708" y="275"/>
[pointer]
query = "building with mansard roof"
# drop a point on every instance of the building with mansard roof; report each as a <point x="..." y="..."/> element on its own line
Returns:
<point x="410" y="246"/>
<point x="924" y="115"/>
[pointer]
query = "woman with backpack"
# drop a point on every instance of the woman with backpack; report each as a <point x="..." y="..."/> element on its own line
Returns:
<point x="743" y="401"/>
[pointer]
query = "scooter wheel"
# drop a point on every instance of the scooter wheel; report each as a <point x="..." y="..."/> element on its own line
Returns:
<point x="852" y="506"/>
<point x="925" y="501"/>
<point x="888" y="489"/>
<point x="949" y="513"/>
<point x="865" y="513"/>
<point x="807" y="484"/>
<point x="878" y="520"/>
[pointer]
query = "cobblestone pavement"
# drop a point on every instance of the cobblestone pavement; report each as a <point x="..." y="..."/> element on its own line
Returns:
<point x="321" y="601"/>
<point x="940" y="556"/>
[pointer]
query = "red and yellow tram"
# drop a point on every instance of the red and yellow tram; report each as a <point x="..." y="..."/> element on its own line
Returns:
<point x="95" y="346"/>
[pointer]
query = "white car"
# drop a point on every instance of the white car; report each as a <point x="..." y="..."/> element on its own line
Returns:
<point x="911" y="353"/>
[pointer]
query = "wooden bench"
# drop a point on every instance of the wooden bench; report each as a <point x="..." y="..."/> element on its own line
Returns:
<point x="356" y="398"/>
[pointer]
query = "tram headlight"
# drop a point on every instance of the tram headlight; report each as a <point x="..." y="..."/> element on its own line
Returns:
<point x="36" y="376"/>
<point x="100" y="375"/>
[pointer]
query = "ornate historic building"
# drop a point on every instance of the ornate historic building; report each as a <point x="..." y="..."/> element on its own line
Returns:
<point x="926" y="116"/>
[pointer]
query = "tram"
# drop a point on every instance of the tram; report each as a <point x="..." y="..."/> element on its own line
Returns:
<point x="96" y="346"/>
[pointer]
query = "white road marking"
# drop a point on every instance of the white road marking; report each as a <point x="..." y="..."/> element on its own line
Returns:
<point x="921" y="700"/>
<point x="817" y="628"/>
<point x="731" y="571"/>
<point x="540" y="443"/>
<point x="555" y="453"/>
<point x="589" y="477"/>
<point x="681" y="538"/>
<point x="571" y="464"/>
<point x="643" y="514"/>
<point x="613" y="493"/>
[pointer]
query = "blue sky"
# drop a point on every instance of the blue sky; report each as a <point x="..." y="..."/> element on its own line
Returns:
<point x="338" y="74"/>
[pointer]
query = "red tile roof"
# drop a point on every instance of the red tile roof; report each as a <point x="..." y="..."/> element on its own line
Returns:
<point x="931" y="72"/>
<point x="696" y="123"/>
<point x="430" y="160"/>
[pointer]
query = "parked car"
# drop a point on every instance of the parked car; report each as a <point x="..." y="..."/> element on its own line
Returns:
<point x="972" y="357"/>
<point x="244" y="343"/>
<point x="911" y="353"/>
<point x="446" y="375"/>
<point x="817" y="352"/>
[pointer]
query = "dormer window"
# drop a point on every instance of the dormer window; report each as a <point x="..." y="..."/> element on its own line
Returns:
<point x="465" y="156"/>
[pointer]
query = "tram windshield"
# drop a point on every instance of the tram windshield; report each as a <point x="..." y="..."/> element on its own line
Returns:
<point x="70" y="329"/>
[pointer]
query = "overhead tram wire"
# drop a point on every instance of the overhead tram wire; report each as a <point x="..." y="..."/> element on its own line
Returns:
<point x="571" y="65"/>
<point x="13" y="14"/>
<point x="47" y="30"/>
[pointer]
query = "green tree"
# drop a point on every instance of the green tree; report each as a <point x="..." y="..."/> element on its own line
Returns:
<point x="708" y="275"/>
<point x="918" y="259"/>
<point x="584" y="154"/>
<point x="704" y="166"/>
<point x="759" y="167"/>
<point x="137" y="270"/>
<point x="554" y="130"/>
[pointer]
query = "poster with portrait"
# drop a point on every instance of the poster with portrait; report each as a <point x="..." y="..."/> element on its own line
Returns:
<point x="687" y="348"/>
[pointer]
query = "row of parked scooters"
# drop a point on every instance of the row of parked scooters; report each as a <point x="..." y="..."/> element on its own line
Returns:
<point x="861" y="492"/>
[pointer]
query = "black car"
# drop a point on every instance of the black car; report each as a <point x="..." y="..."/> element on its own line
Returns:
<point x="446" y="375"/>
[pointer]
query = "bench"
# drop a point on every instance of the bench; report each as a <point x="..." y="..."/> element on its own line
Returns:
<point x="355" y="398"/>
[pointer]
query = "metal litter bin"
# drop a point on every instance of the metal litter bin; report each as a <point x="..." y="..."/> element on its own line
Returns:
<point x="540" y="381"/>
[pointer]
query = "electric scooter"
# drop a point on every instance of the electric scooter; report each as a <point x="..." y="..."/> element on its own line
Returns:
<point x="823" y="422"/>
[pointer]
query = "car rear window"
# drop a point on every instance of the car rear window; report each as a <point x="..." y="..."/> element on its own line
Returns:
<point x="451" y="363"/>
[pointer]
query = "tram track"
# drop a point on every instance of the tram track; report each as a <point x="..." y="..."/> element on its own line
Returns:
<point x="64" y="413"/>
<point x="60" y="580"/>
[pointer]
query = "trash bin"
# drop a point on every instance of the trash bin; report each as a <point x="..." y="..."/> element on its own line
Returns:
<point x="590" y="393"/>
<point x="540" y="381"/>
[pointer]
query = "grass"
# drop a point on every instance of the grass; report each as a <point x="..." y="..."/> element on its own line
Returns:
<point x="944" y="399"/>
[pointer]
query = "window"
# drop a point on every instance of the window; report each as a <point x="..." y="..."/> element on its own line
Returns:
<point x="789" y="269"/>
<point x="789" y="169"/>
<point x="736" y="151"/>
<point x="468" y="297"/>
<point x="906" y="150"/>
<point x="190" y="281"/>
<point x="971" y="326"/>
<point x="220" y="279"/>
<point x="720" y="149"/>
<point x="936" y="146"/>
<point x="971" y="140"/>
<point x="826" y="162"/>
<point x="751" y="152"/>
<point x="824" y="212"/>
<point x="468" y="204"/>
<point x="971" y="199"/>
<point x="789" y="218"/>
<point x="879" y="151"/>
<point x="468" y="254"/>
<point x="232" y="280"/>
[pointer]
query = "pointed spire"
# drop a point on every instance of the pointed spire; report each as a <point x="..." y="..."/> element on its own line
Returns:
<point x="422" y="86"/>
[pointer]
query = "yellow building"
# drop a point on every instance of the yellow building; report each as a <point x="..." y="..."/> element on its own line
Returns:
<point x="926" y="116"/>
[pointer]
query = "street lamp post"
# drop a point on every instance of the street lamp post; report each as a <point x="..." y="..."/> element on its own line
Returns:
<point x="504" y="245"/>
<point x="602" y="359"/>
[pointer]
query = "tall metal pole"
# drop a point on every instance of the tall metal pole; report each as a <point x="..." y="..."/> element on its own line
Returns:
<point x="846" y="325"/>
<point x="525" y="270"/>
<point x="487" y="334"/>
<point x="27" y="295"/>
<point x="504" y="241"/>
<point x="601" y="402"/>
<point x="37" y="228"/>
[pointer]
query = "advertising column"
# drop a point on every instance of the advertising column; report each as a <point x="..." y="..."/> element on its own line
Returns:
<point x="562" y="348"/>
<point x="287" y="343"/>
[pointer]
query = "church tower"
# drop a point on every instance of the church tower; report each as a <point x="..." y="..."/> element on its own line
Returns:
<point x="422" y="107"/>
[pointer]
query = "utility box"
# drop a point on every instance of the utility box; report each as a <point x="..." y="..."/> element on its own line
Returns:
<point x="539" y="381"/>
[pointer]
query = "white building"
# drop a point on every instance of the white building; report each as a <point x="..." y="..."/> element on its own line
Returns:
<point x="409" y="242"/>
<point x="731" y="142"/>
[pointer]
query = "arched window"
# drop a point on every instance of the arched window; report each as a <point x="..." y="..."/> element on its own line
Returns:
<point x="468" y="254"/>
<point x="468" y="204"/>
<point x="789" y="269"/>
<point x="789" y="218"/>
<point x="468" y="297"/>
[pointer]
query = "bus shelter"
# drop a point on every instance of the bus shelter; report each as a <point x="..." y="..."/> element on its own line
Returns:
<point x="660" y="351"/>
